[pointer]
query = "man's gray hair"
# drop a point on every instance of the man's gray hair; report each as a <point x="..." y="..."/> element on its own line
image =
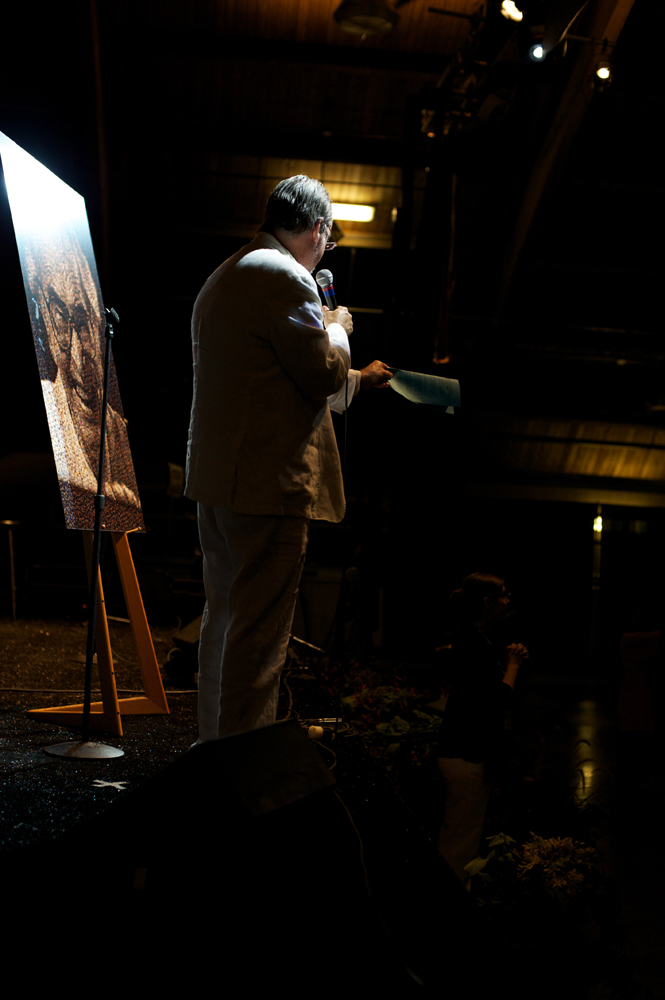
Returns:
<point x="296" y="204"/>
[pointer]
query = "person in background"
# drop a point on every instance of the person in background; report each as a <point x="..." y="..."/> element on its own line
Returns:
<point x="476" y="723"/>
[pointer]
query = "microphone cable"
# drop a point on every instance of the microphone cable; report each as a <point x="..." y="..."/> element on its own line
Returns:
<point x="324" y="280"/>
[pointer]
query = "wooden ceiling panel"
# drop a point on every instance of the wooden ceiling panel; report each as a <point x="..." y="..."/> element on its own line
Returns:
<point x="238" y="186"/>
<point x="311" y="21"/>
<point x="579" y="448"/>
<point x="340" y="99"/>
<point x="583" y="430"/>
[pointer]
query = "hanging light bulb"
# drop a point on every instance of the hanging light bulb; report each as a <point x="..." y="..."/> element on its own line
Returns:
<point x="603" y="71"/>
<point x="511" y="11"/>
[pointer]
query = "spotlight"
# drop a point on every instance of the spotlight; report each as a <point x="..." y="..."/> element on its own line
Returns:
<point x="511" y="11"/>
<point x="601" y="79"/>
<point x="537" y="52"/>
<point x="365" y="17"/>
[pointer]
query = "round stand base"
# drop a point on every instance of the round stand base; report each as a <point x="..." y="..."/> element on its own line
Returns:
<point x="84" y="751"/>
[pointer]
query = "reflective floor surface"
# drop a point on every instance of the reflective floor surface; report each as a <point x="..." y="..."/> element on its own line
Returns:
<point x="624" y="772"/>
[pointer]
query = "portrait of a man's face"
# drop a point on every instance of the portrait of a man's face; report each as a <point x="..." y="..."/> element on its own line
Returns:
<point x="67" y="319"/>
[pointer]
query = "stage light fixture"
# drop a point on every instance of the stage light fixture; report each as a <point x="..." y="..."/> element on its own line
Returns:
<point x="510" y="10"/>
<point x="604" y="71"/>
<point x="353" y="213"/>
<point x="537" y="52"/>
<point x="365" y="17"/>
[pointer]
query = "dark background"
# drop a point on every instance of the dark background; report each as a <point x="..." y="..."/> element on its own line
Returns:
<point x="575" y="332"/>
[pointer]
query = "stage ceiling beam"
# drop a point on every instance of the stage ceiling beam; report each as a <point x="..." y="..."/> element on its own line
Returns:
<point x="602" y="20"/>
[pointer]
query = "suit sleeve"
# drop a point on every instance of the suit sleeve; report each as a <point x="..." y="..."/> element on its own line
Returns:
<point x="303" y="347"/>
<point x="339" y="400"/>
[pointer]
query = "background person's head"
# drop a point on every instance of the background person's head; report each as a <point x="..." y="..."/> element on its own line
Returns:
<point x="299" y="214"/>
<point x="482" y="599"/>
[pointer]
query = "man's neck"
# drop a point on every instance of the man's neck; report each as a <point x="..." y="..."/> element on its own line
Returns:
<point x="300" y="247"/>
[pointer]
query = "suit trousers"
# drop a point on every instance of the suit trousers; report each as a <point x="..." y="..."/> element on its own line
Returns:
<point x="251" y="572"/>
<point x="467" y="795"/>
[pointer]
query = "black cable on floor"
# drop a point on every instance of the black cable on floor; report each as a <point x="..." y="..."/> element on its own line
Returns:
<point x="361" y="845"/>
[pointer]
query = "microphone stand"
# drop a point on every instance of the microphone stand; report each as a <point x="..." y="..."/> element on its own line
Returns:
<point x="86" y="748"/>
<point x="339" y="624"/>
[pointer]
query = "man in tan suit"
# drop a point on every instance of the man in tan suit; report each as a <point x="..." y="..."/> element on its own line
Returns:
<point x="262" y="458"/>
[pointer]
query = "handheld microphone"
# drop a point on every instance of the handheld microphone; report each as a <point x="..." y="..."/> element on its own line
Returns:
<point x="324" y="280"/>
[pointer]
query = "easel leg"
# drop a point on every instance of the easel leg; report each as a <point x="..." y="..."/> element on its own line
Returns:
<point x="152" y="680"/>
<point x="106" y="715"/>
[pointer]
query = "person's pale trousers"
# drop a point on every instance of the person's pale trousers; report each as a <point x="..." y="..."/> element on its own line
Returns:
<point x="467" y="795"/>
<point x="251" y="572"/>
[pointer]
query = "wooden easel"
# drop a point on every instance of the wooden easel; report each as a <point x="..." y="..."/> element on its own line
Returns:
<point x="105" y="714"/>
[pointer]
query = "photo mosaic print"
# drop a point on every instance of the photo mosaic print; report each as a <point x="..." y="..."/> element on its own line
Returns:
<point x="68" y="323"/>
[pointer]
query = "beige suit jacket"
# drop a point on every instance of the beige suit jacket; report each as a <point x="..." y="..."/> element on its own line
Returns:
<point x="261" y="439"/>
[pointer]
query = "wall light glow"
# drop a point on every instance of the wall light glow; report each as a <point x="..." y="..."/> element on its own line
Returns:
<point x="353" y="213"/>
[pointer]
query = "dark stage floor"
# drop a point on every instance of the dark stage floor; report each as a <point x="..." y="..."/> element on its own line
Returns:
<point x="69" y="831"/>
<point x="42" y="665"/>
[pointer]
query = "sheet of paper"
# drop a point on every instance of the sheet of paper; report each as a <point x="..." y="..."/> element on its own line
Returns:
<point x="432" y="390"/>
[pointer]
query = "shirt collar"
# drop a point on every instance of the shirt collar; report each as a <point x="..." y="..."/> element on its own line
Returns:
<point x="266" y="241"/>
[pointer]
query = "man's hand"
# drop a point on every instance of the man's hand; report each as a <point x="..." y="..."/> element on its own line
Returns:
<point x="340" y="315"/>
<point x="517" y="653"/>
<point x="375" y="376"/>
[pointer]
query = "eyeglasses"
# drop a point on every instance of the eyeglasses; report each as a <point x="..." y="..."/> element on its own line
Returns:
<point x="330" y="245"/>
